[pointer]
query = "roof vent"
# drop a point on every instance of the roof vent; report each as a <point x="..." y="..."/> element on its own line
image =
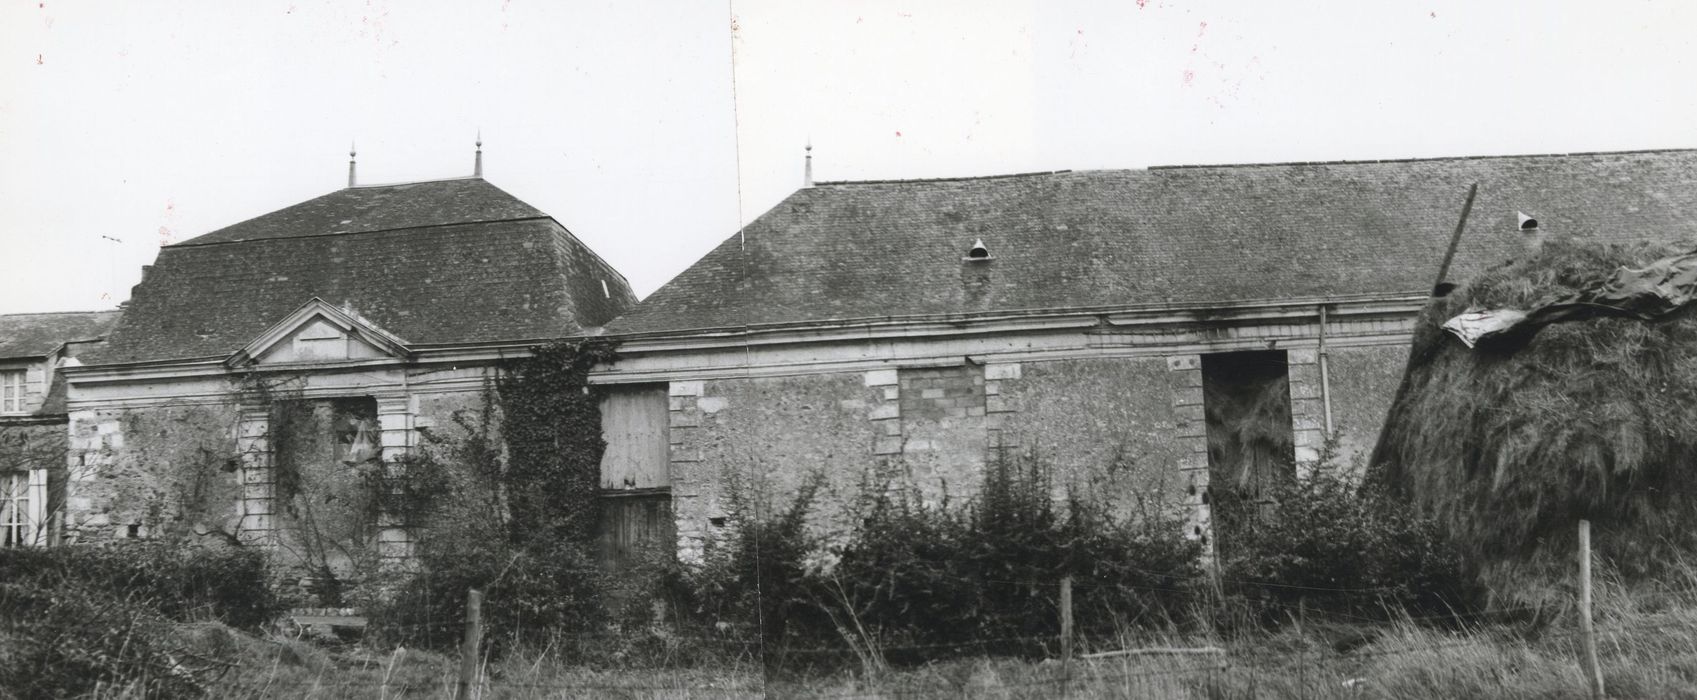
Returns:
<point x="1527" y="223"/>
<point x="978" y="252"/>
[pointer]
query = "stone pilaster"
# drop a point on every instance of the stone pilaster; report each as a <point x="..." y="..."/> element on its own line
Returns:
<point x="885" y="412"/>
<point x="694" y="492"/>
<point x="1307" y="412"/>
<point x="998" y="410"/>
<point x="1190" y="427"/>
<point x="258" y="477"/>
<point x="395" y="538"/>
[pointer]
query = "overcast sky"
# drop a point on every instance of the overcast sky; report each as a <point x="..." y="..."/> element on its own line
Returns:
<point x="652" y="130"/>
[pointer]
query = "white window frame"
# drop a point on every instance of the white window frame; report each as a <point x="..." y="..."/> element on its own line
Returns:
<point x="23" y="508"/>
<point x="12" y="383"/>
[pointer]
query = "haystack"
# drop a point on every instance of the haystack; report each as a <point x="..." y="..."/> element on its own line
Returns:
<point x="1509" y="445"/>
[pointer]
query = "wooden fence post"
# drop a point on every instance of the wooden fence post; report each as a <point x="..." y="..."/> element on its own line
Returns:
<point x="469" y="655"/>
<point x="1588" y="636"/>
<point x="1066" y="631"/>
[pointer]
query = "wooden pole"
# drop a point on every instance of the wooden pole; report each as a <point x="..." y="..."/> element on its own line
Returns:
<point x="1066" y="631"/>
<point x="1593" y="670"/>
<point x="1455" y="238"/>
<point x="1380" y="453"/>
<point x="473" y="642"/>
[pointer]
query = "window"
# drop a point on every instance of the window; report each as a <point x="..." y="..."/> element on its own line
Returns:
<point x="23" y="500"/>
<point x="11" y="391"/>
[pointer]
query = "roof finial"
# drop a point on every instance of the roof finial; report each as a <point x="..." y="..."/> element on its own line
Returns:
<point x="351" y="153"/>
<point x="477" y="169"/>
<point x="807" y="170"/>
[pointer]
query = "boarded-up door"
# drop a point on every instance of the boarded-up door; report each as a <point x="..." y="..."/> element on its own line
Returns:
<point x="636" y="482"/>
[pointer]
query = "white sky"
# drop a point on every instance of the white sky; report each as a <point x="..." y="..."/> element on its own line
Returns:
<point x="157" y="122"/>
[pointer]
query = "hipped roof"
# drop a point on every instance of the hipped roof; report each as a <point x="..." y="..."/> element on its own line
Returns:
<point x="443" y="262"/>
<point x="1211" y="235"/>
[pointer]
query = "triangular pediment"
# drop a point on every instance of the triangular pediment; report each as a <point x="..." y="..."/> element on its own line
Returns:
<point x="318" y="333"/>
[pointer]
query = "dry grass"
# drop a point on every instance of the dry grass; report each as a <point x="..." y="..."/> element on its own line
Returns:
<point x="1655" y="656"/>
<point x="1647" y="639"/>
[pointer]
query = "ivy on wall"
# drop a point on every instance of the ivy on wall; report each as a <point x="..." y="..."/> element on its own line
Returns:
<point x="552" y="425"/>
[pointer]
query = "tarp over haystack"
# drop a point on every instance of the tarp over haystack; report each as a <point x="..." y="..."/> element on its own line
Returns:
<point x="1593" y="416"/>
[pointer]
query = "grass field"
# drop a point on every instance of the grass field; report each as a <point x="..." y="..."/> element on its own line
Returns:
<point x="1648" y="650"/>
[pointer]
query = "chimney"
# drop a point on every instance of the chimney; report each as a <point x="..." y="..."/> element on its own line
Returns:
<point x="477" y="167"/>
<point x="807" y="169"/>
<point x="351" y="179"/>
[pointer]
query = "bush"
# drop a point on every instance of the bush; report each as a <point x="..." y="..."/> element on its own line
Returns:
<point x="914" y="583"/>
<point x="75" y="617"/>
<point x="183" y="583"/>
<point x="529" y="596"/>
<point x="1326" y="545"/>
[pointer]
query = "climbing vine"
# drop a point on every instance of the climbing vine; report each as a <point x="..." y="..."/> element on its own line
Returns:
<point x="552" y="425"/>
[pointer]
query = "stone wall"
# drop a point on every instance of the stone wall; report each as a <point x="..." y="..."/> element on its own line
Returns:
<point x="143" y="472"/>
<point x="1128" y="430"/>
<point x="745" y="447"/>
<point x="32" y="445"/>
<point x="1364" y="383"/>
<point x="207" y="468"/>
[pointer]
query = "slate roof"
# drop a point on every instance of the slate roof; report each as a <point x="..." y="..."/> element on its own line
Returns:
<point x="443" y="262"/>
<point x="1169" y="235"/>
<point x="36" y="335"/>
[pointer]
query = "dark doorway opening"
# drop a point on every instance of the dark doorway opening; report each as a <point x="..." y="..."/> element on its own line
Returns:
<point x="1251" y="447"/>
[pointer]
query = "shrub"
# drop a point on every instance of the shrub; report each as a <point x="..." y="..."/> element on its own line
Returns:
<point x="71" y="639"/>
<point x="183" y="583"/>
<point x="75" y="617"/>
<point x="915" y="582"/>
<point x="1327" y="545"/>
<point x="529" y="595"/>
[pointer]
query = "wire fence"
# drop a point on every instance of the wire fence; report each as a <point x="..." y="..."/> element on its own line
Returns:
<point x="1307" y="669"/>
<point x="1294" y="664"/>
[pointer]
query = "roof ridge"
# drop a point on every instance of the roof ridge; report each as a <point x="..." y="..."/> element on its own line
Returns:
<point x="59" y="313"/>
<point x="1422" y="160"/>
<point x="191" y="244"/>
<point x="1035" y="173"/>
<point x="375" y="185"/>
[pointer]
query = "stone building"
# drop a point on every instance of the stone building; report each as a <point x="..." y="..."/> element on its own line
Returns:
<point x="369" y="313"/>
<point x="33" y="349"/>
<point x="1149" y="334"/>
<point x="1157" y="337"/>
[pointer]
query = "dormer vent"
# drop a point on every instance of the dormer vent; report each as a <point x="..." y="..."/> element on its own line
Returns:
<point x="978" y="252"/>
<point x="1527" y="223"/>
